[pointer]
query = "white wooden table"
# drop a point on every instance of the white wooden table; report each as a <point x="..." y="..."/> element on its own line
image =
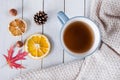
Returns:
<point x="26" y="10"/>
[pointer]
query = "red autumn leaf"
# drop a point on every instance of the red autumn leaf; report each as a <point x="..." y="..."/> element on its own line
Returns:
<point x="11" y="61"/>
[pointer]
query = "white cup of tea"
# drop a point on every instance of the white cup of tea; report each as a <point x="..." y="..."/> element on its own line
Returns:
<point x="79" y="35"/>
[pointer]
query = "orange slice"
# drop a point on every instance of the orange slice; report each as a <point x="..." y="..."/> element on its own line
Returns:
<point x="17" y="27"/>
<point x="37" y="45"/>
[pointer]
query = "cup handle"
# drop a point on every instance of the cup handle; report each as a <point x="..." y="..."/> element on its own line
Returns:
<point x="62" y="17"/>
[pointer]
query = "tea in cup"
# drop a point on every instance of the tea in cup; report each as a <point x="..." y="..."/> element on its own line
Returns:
<point x="80" y="36"/>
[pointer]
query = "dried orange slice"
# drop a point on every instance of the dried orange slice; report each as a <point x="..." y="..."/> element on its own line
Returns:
<point x="17" y="27"/>
<point x="37" y="45"/>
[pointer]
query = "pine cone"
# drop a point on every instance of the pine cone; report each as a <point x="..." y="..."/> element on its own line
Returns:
<point x="40" y="18"/>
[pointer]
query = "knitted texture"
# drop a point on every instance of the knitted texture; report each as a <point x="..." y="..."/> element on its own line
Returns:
<point x="67" y="71"/>
<point x="106" y="14"/>
<point x="102" y="65"/>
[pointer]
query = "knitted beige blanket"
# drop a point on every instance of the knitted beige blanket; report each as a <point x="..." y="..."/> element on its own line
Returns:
<point x="104" y="64"/>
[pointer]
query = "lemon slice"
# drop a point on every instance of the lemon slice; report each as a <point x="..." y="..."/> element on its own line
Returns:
<point x="37" y="45"/>
<point x="17" y="27"/>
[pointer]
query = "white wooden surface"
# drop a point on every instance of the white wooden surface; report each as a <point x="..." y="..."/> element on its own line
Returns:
<point x="26" y="10"/>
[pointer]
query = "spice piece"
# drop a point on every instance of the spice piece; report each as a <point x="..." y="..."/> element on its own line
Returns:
<point x="40" y="17"/>
<point x="19" y="44"/>
<point x="13" y="12"/>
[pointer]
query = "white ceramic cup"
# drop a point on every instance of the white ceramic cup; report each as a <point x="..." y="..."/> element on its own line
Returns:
<point x="66" y="21"/>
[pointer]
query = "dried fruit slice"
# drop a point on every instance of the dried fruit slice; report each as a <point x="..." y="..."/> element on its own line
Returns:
<point x="37" y="45"/>
<point x="17" y="27"/>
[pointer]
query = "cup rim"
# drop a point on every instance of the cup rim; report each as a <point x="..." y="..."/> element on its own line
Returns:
<point x="82" y="55"/>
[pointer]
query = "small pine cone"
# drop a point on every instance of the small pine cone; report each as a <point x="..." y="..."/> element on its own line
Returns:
<point x="40" y="17"/>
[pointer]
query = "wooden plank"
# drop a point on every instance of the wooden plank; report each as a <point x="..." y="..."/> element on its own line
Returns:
<point x="31" y="7"/>
<point x="88" y="7"/>
<point x="6" y="40"/>
<point x="52" y="30"/>
<point x="73" y="8"/>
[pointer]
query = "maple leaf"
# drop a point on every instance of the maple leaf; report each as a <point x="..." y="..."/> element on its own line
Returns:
<point x="11" y="61"/>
